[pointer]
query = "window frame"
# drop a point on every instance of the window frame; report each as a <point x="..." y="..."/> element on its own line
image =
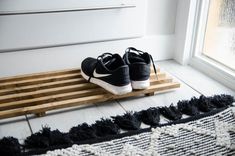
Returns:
<point x="196" y="59"/>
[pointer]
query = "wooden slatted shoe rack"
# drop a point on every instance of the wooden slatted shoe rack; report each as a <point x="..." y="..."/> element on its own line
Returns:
<point x="42" y="92"/>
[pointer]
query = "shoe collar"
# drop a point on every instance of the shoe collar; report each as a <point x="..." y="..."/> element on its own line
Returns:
<point x="133" y="52"/>
<point x="107" y="59"/>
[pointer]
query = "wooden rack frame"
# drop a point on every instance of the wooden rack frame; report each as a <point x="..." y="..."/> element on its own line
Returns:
<point x="42" y="92"/>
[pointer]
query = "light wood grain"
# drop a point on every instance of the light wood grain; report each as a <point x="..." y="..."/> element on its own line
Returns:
<point x="36" y="94"/>
<point x="51" y="98"/>
<point x="41" y="86"/>
<point x="20" y="83"/>
<point x="62" y="96"/>
<point x="39" y="75"/>
<point x="19" y="93"/>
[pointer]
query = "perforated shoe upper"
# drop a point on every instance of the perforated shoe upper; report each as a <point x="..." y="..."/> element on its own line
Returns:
<point x="139" y="64"/>
<point x="111" y="69"/>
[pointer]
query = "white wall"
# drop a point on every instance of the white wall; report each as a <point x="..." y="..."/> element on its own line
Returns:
<point x="161" y="17"/>
<point x="154" y="33"/>
<point x="184" y="28"/>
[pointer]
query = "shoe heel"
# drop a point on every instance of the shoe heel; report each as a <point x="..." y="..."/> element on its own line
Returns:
<point x="140" y="84"/>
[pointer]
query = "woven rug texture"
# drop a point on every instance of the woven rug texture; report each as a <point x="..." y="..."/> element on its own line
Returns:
<point x="211" y="135"/>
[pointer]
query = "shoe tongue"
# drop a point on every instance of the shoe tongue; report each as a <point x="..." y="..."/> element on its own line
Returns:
<point x="133" y="57"/>
<point x="106" y="59"/>
<point x="136" y="59"/>
<point x="109" y="62"/>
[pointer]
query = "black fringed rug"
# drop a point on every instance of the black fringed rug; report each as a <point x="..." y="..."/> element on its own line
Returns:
<point x="199" y="126"/>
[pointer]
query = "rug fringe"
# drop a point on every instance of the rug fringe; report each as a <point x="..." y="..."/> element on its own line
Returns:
<point x="106" y="128"/>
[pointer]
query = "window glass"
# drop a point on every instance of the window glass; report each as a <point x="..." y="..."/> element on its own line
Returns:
<point x="219" y="43"/>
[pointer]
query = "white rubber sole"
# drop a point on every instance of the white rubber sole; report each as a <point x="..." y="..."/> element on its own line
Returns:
<point x="140" y="84"/>
<point x="111" y="88"/>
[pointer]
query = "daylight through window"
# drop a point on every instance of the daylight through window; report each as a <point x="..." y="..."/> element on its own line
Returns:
<point x="219" y="43"/>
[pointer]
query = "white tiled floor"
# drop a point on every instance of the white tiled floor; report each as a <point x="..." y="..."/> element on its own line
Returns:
<point x="195" y="79"/>
<point x="17" y="127"/>
<point x="193" y="83"/>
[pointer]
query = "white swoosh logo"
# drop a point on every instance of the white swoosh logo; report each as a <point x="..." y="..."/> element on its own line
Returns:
<point x="95" y="74"/>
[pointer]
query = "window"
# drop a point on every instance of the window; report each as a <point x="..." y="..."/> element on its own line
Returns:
<point x="219" y="42"/>
<point x="211" y="39"/>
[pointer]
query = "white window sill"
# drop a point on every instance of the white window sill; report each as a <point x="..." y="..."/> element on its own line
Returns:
<point x="215" y="70"/>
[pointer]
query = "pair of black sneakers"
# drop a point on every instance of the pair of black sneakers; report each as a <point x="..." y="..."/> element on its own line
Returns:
<point x="119" y="75"/>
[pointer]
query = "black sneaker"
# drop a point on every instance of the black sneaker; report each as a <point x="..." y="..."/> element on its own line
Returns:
<point x="108" y="71"/>
<point x="139" y="63"/>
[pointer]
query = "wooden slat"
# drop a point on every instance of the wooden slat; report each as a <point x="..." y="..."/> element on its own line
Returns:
<point x="45" y="92"/>
<point x="43" y="80"/>
<point x="83" y="100"/>
<point x="153" y="88"/>
<point x="18" y="94"/>
<point x="31" y="88"/>
<point x="46" y="74"/>
<point x="39" y="75"/>
<point x="37" y="93"/>
<point x="58" y="97"/>
<point x="160" y="81"/>
<point x="51" y="106"/>
<point x="159" y="75"/>
<point x="38" y="81"/>
<point x="51" y="98"/>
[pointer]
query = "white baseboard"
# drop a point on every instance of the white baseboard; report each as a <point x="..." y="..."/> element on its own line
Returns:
<point x="39" y="60"/>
